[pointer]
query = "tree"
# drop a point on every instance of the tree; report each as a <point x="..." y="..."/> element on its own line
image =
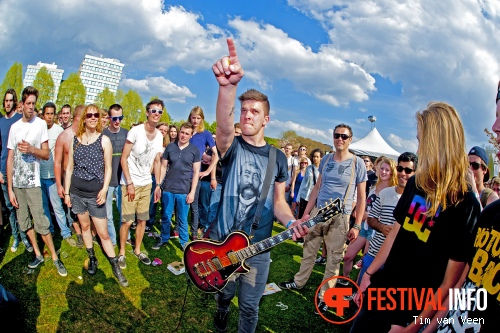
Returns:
<point x="119" y="96"/>
<point x="13" y="79"/>
<point x="133" y="108"/>
<point x="105" y="99"/>
<point x="45" y="85"/>
<point x="71" y="91"/>
<point x="210" y="127"/>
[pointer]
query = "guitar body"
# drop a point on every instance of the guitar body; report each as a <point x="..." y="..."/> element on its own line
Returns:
<point x="209" y="264"/>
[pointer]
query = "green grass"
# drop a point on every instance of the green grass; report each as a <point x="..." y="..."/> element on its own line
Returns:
<point x="155" y="299"/>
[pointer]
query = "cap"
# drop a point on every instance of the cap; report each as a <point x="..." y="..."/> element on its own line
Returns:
<point x="481" y="153"/>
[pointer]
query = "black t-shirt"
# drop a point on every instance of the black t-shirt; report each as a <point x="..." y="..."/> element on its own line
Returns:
<point x="420" y="253"/>
<point x="118" y="141"/>
<point x="180" y="171"/>
<point x="243" y="171"/>
<point x="484" y="273"/>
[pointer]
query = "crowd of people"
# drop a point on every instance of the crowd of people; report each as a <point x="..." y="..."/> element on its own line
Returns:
<point x="414" y="220"/>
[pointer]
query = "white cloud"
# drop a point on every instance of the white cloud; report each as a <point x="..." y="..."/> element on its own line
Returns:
<point x="158" y="86"/>
<point x="360" y="120"/>
<point x="363" y="109"/>
<point x="403" y="145"/>
<point x="315" y="134"/>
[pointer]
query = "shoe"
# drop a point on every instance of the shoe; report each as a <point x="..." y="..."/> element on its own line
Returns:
<point x="131" y="242"/>
<point x="143" y="258"/>
<point x="122" y="262"/>
<point x="93" y="263"/>
<point x="28" y="246"/>
<point x="349" y="298"/>
<point x="322" y="308"/>
<point x="289" y="285"/>
<point x="70" y="241"/>
<point x="35" y="263"/>
<point x="175" y="235"/>
<point x="220" y="320"/>
<point x="60" y="267"/>
<point x="117" y="271"/>
<point x="79" y="240"/>
<point x="133" y="226"/>
<point x="158" y="245"/>
<point x="15" y="245"/>
<point x="358" y="264"/>
<point x="343" y="282"/>
<point x="148" y="229"/>
<point x="321" y="260"/>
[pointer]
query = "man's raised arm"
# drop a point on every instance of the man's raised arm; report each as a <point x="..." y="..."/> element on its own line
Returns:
<point x="228" y="72"/>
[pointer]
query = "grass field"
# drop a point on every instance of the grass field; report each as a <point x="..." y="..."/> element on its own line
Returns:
<point x="156" y="300"/>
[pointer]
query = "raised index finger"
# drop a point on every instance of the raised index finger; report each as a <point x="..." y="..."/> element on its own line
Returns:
<point x="233" y="56"/>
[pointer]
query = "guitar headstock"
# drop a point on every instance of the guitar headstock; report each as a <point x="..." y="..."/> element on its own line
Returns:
<point x="329" y="210"/>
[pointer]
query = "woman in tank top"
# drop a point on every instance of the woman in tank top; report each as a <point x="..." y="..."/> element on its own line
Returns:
<point x="86" y="185"/>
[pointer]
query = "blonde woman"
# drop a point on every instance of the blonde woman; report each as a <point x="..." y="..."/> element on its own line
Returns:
<point x="432" y="239"/>
<point x="86" y="185"/>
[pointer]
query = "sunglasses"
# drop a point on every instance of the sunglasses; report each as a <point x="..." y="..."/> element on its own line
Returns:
<point x="303" y="149"/>
<point x="338" y="136"/>
<point x="367" y="161"/>
<point x="399" y="168"/>
<point x="120" y="118"/>
<point x="153" y="111"/>
<point x="475" y="165"/>
<point x="90" y="115"/>
<point x="303" y="163"/>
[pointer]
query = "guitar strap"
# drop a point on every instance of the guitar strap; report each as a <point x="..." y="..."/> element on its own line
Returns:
<point x="265" y="190"/>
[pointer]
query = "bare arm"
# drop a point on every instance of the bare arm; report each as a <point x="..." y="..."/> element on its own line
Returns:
<point x="10" y="173"/>
<point x="157" y="170"/>
<point x="108" y="168"/>
<point x="69" y="173"/>
<point x="127" y="148"/>
<point x="58" y="159"/>
<point x="284" y="214"/>
<point x="228" y="72"/>
<point x="360" y="208"/>
<point x="41" y="153"/>
<point x="194" y="183"/>
<point x="380" y="227"/>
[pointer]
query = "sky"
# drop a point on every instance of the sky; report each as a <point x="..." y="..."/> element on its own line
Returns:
<point x="321" y="62"/>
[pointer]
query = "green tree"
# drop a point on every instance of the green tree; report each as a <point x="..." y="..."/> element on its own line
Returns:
<point x="210" y="127"/>
<point x="45" y="85"/>
<point x="119" y="96"/>
<point x="133" y="108"/>
<point x="13" y="79"/>
<point x="105" y="99"/>
<point x="71" y="91"/>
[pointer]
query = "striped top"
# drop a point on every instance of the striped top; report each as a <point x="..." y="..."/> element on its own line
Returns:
<point x="382" y="210"/>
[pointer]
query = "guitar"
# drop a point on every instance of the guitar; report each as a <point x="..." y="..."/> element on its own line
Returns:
<point x="209" y="264"/>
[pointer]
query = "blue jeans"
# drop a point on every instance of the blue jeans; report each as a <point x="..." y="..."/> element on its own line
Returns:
<point x="170" y="200"/>
<point x="214" y="204"/>
<point x="117" y="192"/>
<point x="251" y="287"/>
<point x="195" y="216"/>
<point x="16" y="231"/>
<point x="49" y="193"/>
<point x="204" y="204"/>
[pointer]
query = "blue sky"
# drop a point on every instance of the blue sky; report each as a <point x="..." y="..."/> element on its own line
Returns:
<point x="321" y="62"/>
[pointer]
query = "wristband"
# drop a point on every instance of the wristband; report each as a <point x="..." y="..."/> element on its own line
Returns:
<point x="357" y="227"/>
<point x="214" y="178"/>
<point x="66" y="193"/>
<point x="366" y="272"/>
<point x="289" y="223"/>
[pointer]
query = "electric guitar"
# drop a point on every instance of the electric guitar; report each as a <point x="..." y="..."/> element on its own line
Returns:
<point x="209" y="264"/>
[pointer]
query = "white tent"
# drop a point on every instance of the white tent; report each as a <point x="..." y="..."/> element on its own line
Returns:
<point x="373" y="145"/>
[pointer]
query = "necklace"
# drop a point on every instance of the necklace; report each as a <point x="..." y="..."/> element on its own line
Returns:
<point x="89" y="138"/>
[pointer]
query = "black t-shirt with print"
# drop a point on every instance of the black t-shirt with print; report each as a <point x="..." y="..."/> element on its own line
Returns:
<point x="420" y="253"/>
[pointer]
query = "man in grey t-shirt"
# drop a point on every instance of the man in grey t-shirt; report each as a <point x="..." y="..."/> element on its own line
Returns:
<point x="341" y="174"/>
<point x="118" y="136"/>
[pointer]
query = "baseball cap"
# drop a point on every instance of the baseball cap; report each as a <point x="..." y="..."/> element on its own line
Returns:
<point x="481" y="153"/>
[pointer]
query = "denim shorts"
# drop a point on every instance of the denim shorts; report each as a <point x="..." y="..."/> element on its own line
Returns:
<point x="82" y="205"/>
<point x="366" y="231"/>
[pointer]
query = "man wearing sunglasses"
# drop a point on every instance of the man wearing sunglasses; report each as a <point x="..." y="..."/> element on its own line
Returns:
<point x="141" y="154"/>
<point x="478" y="162"/>
<point x="118" y="136"/>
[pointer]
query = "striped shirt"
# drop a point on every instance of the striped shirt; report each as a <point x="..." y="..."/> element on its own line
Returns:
<point x="382" y="210"/>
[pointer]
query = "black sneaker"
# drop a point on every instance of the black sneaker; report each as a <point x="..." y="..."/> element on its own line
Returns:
<point x="321" y="260"/>
<point x="158" y="244"/>
<point x="93" y="263"/>
<point x="60" y="268"/>
<point x="143" y="258"/>
<point x="349" y="298"/>
<point x="28" y="246"/>
<point x="220" y="320"/>
<point x="133" y="226"/>
<point x="342" y="282"/>
<point x="131" y="242"/>
<point x="148" y="228"/>
<point x="79" y="241"/>
<point x="35" y="263"/>
<point x="289" y="285"/>
<point x="322" y="308"/>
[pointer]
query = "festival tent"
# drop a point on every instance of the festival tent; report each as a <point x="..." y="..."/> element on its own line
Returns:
<point x="373" y="145"/>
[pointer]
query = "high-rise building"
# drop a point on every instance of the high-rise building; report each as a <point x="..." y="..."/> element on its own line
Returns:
<point x="98" y="73"/>
<point x="55" y="73"/>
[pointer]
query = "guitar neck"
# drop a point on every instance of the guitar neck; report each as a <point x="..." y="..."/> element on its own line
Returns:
<point x="270" y="242"/>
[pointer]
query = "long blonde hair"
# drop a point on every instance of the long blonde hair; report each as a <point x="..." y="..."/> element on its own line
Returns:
<point x="81" y="124"/>
<point x="199" y="112"/>
<point x="443" y="162"/>
<point x="393" y="181"/>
